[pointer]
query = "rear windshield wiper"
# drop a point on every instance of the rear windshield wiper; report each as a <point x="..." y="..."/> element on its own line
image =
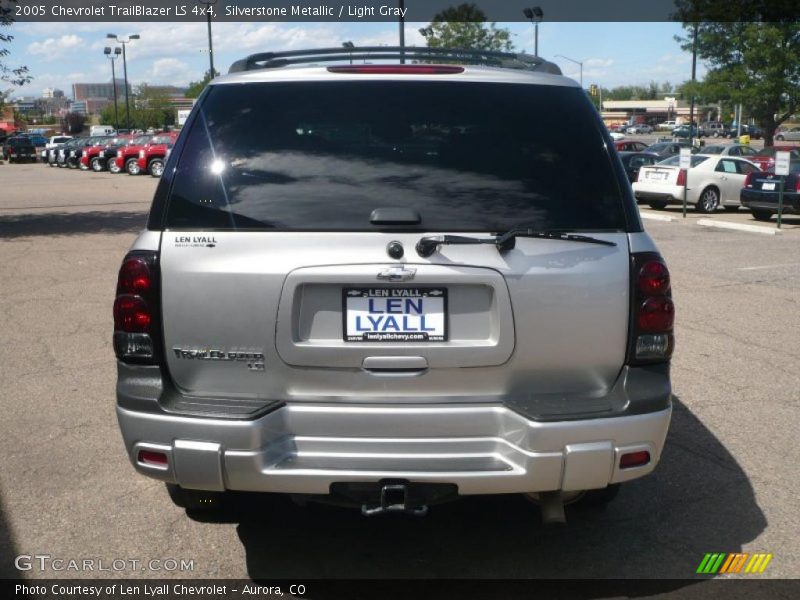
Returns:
<point x="504" y="242"/>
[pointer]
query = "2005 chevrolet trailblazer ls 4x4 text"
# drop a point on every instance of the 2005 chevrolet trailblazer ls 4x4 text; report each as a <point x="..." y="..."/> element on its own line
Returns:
<point x="386" y="283"/>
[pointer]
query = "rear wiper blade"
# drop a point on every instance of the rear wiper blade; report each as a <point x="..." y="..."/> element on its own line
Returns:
<point x="504" y="242"/>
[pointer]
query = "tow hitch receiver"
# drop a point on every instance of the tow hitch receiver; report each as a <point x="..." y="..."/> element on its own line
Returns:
<point x="394" y="498"/>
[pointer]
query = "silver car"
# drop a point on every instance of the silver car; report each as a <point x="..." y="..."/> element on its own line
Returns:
<point x="392" y="284"/>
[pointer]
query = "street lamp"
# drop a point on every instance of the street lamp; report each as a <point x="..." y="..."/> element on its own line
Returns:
<point x="114" y="56"/>
<point x="208" y="4"/>
<point x="577" y="62"/>
<point x="535" y="16"/>
<point x="135" y="36"/>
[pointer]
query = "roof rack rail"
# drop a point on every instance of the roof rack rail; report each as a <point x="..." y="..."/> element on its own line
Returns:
<point x="508" y="60"/>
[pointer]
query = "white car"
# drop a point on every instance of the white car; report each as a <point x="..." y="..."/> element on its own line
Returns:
<point x="730" y="150"/>
<point x="57" y="140"/>
<point x="617" y="136"/>
<point x="713" y="181"/>
<point x="640" y="128"/>
<point x="667" y="125"/>
<point x="792" y="134"/>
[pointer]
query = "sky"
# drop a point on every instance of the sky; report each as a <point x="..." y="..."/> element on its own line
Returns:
<point x="60" y="54"/>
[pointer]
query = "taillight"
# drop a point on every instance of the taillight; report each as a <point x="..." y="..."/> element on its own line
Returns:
<point x="137" y="326"/>
<point x="748" y="181"/>
<point x="797" y="183"/>
<point x="652" y="310"/>
<point x="681" y="177"/>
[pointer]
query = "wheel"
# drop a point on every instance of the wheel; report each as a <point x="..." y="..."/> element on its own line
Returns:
<point x="761" y="214"/>
<point x="156" y="167"/>
<point x="708" y="201"/>
<point x="731" y="208"/>
<point x="97" y="165"/>
<point x="195" y="499"/>
<point x="112" y="166"/>
<point x="132" y="166"/>
<point x="657" y="204"/>
<point x="82" y="166"/>
<point x="779" y="137"/>
<point x="716" y="134"/>
<point x="72" y="165"/>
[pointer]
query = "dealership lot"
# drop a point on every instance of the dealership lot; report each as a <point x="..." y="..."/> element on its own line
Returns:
<point x="728" y="480"/>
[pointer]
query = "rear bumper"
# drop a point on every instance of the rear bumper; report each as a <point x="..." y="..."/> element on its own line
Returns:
<point x="303" y="448"/>
<point x="769" y="201"/>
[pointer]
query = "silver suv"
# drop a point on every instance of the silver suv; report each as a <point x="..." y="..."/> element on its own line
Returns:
<point x="394" y="283"/>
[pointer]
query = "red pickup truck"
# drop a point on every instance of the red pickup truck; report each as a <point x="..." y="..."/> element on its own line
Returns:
<point x="153" y="157"/>
<point x="127" y="153"/>
<point x="92" y="151"/>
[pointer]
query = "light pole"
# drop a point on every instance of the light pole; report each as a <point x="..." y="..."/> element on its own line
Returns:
<point x="535" y="16"/>
<point x="135" y="36"/>
<point x="208" y="4"/>
<point x="114" y="56"/>
<point x="577" y="62"/>
<point x="402" y="32"/>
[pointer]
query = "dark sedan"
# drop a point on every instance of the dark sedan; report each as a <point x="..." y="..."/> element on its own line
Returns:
<point x="633" y="161"/>
<point x="761" y="190"/>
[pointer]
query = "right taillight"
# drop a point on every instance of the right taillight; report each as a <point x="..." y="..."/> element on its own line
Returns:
<point x="748" y="181"/>
<point x="652" y="310"/>
<point x="137" y="324"/>
<point x="681" y="177"/>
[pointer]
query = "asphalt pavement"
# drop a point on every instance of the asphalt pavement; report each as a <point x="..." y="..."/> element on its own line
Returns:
<point x="728" y="480"/>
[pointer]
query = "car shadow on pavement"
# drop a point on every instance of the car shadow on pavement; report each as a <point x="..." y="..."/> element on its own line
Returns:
<point x="8" y="548"/>
<point x="698" y="500"/>
<point x="41" y="224"/>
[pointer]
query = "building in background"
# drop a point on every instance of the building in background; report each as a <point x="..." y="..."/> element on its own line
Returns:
<point x="96" y="96"/>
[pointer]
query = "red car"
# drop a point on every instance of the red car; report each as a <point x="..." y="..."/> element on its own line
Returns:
<point x="153" y="157"/>
<point x="127" y="157"/>
<point x="630" y="146"/>
<point x="765" y="159"/>
<point x="92" y="150"/>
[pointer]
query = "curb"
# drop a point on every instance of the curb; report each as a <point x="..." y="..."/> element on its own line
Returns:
<point x="655" y="217"/>
<point x="739" y="227"/>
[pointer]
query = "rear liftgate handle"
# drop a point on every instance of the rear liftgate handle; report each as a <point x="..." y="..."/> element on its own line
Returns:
<point x="395" y="365"/>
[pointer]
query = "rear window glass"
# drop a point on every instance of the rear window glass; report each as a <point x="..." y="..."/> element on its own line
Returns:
<point x="466" y="157"/>
<point x="674" y="161"/>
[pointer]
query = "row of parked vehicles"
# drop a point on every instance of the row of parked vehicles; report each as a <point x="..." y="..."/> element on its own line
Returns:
<point x="716" y="129"/>
<point x="134" y="154"/>
<point x="730" y="176"/>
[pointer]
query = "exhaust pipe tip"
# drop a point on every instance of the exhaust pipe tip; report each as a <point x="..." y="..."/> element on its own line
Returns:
<point x="552" y="507"/>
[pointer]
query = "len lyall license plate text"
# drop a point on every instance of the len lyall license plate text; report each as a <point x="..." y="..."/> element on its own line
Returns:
<point x="395" y="314"/>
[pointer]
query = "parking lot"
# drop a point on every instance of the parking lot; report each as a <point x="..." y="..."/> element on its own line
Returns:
<point x="728" y="480"/>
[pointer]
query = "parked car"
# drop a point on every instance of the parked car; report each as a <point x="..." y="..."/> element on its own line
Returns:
<point x="300" y="318"/>
<point x="153" y="156"/>
<point x="19" y="148"/>
<point x="730" y="150"/>
<point x="755" y="132"/>
<point x="616" y="135"/>
<point x="667" y="149"/>
<point x="47" y="156"/>
<point x="115" y="156"/>
<point x="761" y="192"/>
<point x="792" y="135"/>
<point x="667" y="125"/>
<point x="69" y="154"/>
<point x="107" y="152"/>
<point x="712" y="181"/>
<point x="765" y="158"/>
<point x="716" y="129"/>
<point x="684" y="131"/>
<point x="38" y="141"/>
<point x="629" y="146"/>
<point x="640" y="128"/>
<point x="92" y="151"/>
<point x="633" y="161"/>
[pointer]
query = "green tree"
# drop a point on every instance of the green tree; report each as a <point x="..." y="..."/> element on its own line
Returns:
<point x="464" y="26"/>
<point x="753" y="57"/>
<point x="14" y="76"/>
<point x="197" y="87"/>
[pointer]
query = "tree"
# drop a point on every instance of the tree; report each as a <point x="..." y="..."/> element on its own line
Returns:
<point x="753" y="61"/>
<point x="464" y="26"/>
<point x="14" y="76"/>
<point x="197" y="87"/>
<point x="73" y="123"/>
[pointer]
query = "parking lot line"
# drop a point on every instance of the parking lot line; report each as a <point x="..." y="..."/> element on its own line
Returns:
<point x="739" y="226"/>
<point x="777" y="266"/>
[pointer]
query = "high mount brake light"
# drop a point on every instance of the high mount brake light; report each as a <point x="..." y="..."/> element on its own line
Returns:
<point x="398" y="69"/>
<point x="652" y="311"/>
<point x="137" y="323"/>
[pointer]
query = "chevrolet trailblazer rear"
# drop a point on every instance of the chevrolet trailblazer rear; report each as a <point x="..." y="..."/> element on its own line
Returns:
<point x="394" y="284"/>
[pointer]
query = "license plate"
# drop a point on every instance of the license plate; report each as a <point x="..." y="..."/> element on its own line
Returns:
<point x="656" y="175"/>
<point x="768" y="186"/>
<point x="393" y="314"/>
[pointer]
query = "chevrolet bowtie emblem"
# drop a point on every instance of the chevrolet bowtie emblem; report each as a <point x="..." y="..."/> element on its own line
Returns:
<point x="397" y="274"/>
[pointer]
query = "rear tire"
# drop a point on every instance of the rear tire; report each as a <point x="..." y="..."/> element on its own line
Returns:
<point x="195" y="499"/>
<point x="657" y="204"/>
<point x="708" y="201"/>
<point x="779" y="138"/>
<point x="762" y="215"/>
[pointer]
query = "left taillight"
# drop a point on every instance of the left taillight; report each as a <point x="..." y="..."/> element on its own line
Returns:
<point x="137" y="309"/>
<point x="652" y="310"/>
